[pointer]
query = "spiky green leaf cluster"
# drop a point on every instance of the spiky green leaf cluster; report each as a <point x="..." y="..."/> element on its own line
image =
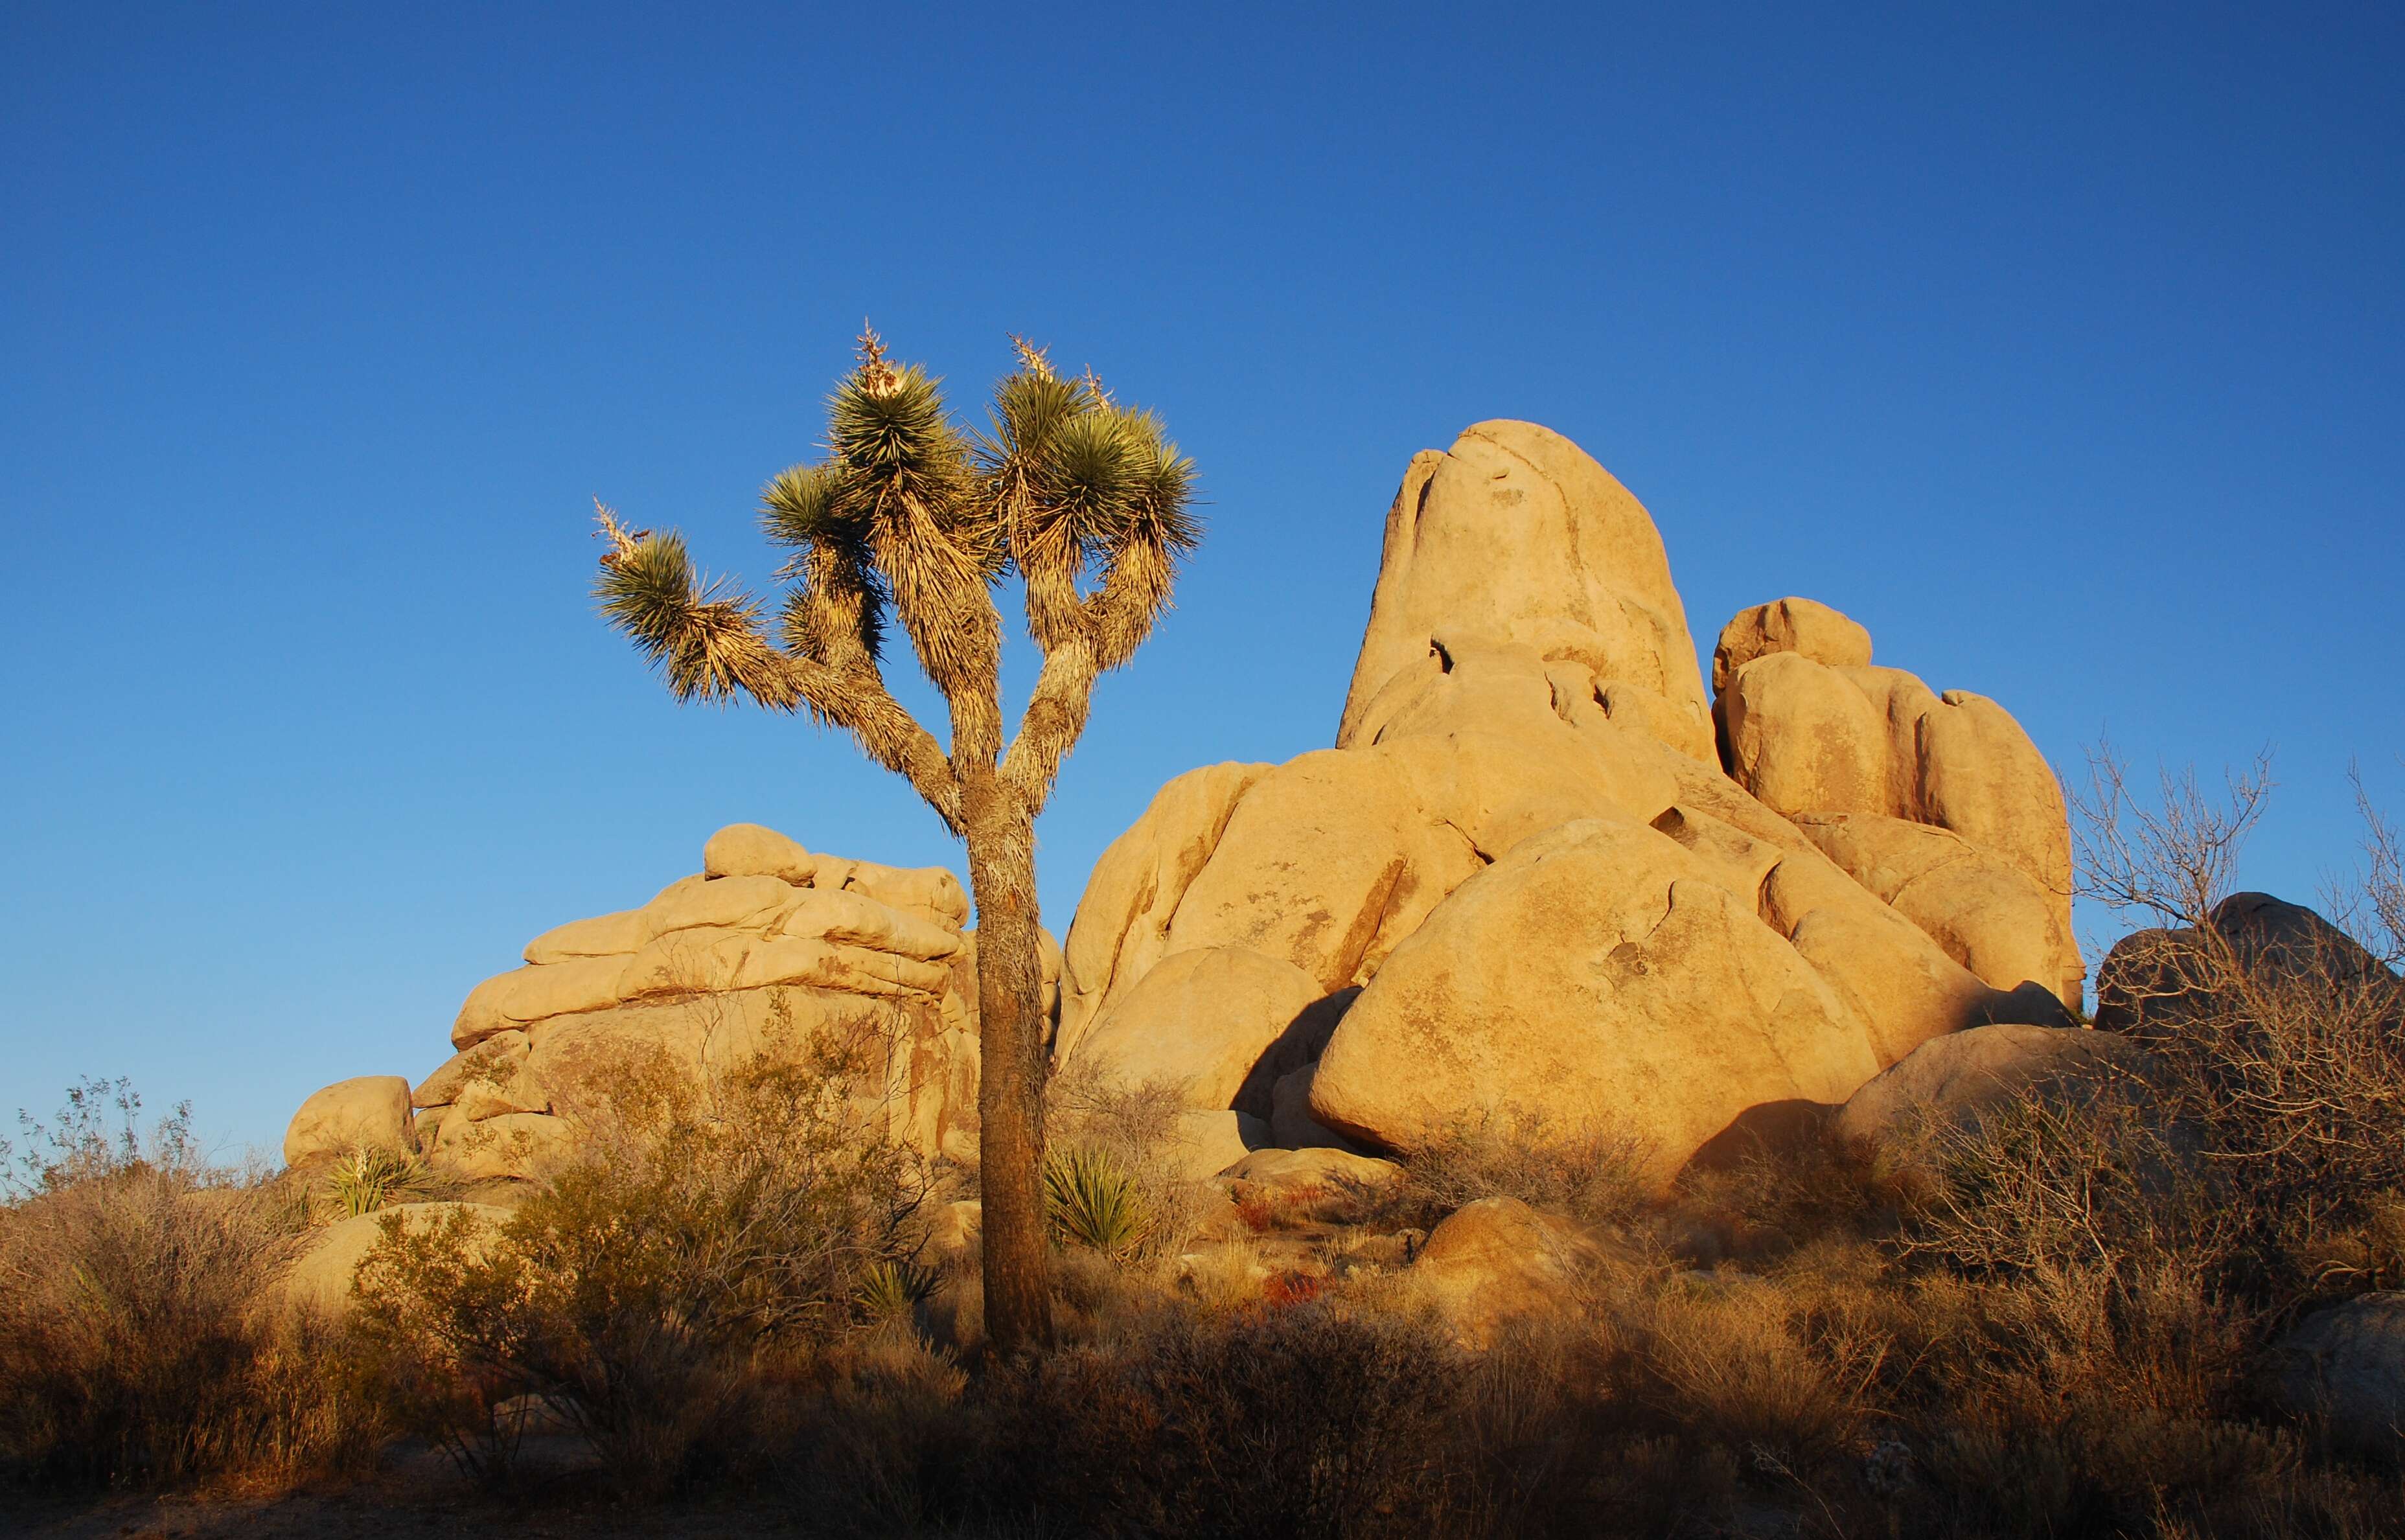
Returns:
<point x="1094" y="1202"/>
<point x="1066" y="481"/>
<point x="370" y="1177"/>
<point x="1071" y="474"/>
<point x="704" y="638"/>
<point x="890" y="1286"/>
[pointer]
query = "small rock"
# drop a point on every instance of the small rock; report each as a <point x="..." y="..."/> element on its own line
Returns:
<point x="1498" y="1261"/>
<point x="2347" y="1364"/>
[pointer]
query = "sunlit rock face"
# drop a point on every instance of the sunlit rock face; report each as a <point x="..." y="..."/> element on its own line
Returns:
<point x="1543" y="881"/>
<point x="1543" y="878"/>
<point x="770" y="948"/>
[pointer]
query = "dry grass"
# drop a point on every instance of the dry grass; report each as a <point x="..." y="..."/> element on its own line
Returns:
<point x="1591" y="1173"/>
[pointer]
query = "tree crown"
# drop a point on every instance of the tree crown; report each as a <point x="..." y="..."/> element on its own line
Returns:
<point x="910" y="518"/>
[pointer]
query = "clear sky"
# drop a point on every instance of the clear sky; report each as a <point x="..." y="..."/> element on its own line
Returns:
<point x="2062" y="348"/>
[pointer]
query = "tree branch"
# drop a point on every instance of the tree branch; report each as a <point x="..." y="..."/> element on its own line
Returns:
<point x="1054" y="720"/>
<point x="1110" y="625"/>
<point x="708" y="642"/>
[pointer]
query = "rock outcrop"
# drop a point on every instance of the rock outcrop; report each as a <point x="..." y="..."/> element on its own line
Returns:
<point x="768" y="949"/>
<point x="1879" y="770"/>
<point x="1527" y="858"/>
<point x="2253" y="951"/>
<point x="1542" y="875"/>
<point x="1955" y="1079"/>
<point x="1515" y="535"/>
<point x="2345" y="1365"/>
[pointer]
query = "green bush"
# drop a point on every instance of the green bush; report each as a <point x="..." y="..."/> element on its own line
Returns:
<point x="710" y="1235"/>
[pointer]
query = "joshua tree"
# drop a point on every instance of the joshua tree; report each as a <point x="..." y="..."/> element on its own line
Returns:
<point x="1092" y="505"/>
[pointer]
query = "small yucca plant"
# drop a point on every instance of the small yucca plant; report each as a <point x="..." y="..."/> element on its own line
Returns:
<point x="1094" y="1202"/>
<point x="891" y="1287"/>
<point x="370" y="1177"/>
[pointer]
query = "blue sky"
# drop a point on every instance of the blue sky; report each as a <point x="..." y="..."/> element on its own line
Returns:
<point x="2061" y="347"/>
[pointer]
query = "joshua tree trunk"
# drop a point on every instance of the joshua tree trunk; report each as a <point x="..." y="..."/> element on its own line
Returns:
<point x="911" y="518"/>
<point x="1010" y="1075"/>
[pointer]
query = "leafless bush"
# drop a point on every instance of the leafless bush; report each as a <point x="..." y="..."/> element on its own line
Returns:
<point x="2273" y="1081"/>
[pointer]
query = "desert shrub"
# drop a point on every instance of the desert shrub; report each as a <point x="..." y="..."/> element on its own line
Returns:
<point x="1094" y="1202"/>
<point x="1309" y="1421"/>
<point x="369" y="1177"/>
<point x="140" y="1340"/>
<point x="710" y="1233"/>
<point x="2087" y="1401"/>
<point x="2086" y="1285"/>
<point x="2034" y="1187"/>
<point x="1591" y="1173"/>
<point x="1091" y="1107"/>
<point x="892" y="1446"/>
<point x="1735" y="1365"/>
<point x="2274" y="1076"/>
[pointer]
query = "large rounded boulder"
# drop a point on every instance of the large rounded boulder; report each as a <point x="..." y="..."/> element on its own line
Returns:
<point x="1216" y="1022"/>
<point x="365" y="1111"/>
<point x="1599" y="975"/>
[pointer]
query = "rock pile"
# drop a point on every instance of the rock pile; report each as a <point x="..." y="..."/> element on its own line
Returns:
<point x="1540" y="875"/>
<point x="767" y="949"/>
<point x="1543" y="874"/>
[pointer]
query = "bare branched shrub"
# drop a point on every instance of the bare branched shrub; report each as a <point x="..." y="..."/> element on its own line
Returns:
<point x="97" y="1133"/>
<point x="706" y="1231"/>
<point x="2371" y="907"/>
<point x="2274" y="1083"/>
<point x="2174" y="860"/>
<point x="2037" y="1185"/>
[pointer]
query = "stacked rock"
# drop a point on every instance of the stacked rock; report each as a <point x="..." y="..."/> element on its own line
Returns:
<point x="769" y="948"/>
<point x="1543" y="877"/>
<point x="1939" y="804"/>
<point x="1523" y="886"/>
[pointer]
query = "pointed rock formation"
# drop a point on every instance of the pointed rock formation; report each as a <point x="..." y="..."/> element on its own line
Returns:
<point x="1526" y="855"/>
